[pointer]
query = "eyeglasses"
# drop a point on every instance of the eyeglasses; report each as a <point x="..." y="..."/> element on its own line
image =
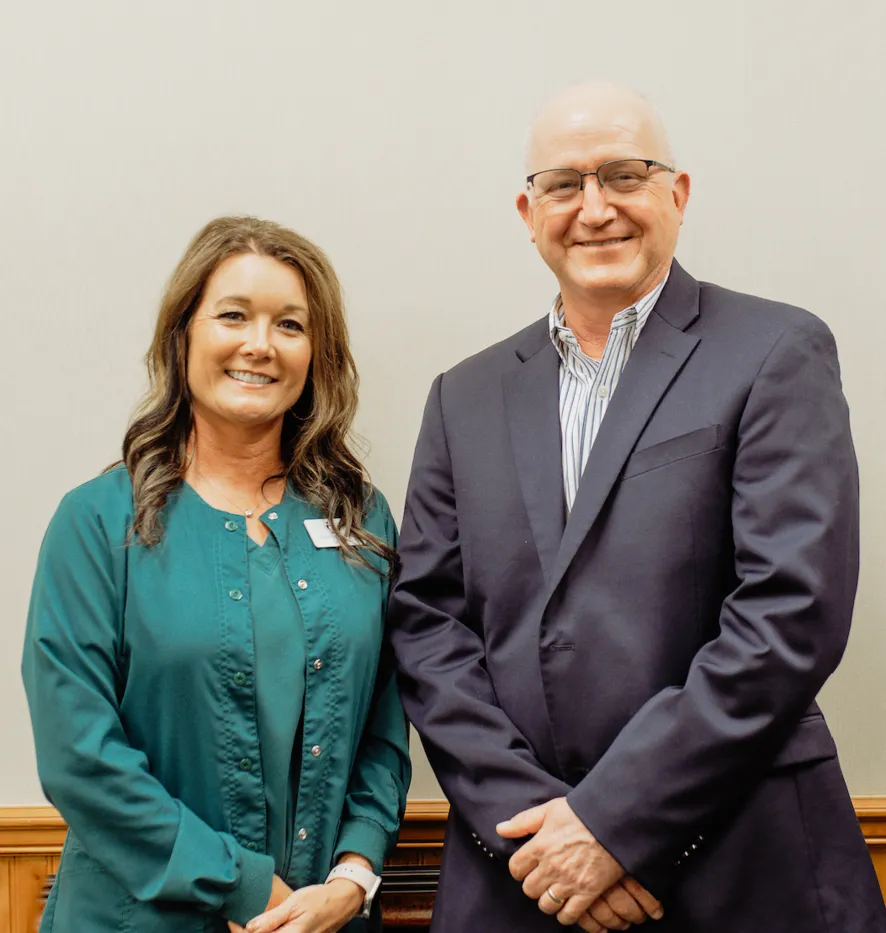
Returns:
<point x="623" y="176"/>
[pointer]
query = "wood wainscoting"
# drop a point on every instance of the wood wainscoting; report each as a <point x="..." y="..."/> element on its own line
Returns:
<point x="31" y="841"/>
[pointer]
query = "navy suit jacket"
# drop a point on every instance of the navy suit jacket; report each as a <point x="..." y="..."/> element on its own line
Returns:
<point x="656" y="656"/>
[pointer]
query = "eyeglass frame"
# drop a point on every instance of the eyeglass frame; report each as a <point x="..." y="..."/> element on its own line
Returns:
<point x="649" y="163"/>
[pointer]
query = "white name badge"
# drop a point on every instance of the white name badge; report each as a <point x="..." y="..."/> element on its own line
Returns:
<point x="321" y="534"/>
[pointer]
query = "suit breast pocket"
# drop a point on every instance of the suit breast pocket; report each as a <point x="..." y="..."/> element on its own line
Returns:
<point x="700" y="441"/>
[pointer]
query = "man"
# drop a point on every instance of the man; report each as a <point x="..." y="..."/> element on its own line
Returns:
<point x="630" y="554"/>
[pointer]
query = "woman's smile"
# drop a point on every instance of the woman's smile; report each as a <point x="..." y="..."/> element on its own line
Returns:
<point x="253" y="380"/>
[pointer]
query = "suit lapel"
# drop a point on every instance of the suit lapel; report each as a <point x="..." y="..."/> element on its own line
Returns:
<point x="531" y="397"/>
<point x="661" y="351"/>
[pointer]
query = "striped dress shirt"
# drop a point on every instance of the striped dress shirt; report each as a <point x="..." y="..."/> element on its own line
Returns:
<point x="587" y="385"/>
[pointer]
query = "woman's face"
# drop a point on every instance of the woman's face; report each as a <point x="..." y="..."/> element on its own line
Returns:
<point x="249" y="341"/>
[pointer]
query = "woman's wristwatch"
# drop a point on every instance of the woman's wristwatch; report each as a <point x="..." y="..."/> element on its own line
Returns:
<point x="360" y="876"/>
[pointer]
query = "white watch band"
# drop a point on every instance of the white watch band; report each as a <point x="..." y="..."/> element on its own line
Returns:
<point x="366" y="879"/>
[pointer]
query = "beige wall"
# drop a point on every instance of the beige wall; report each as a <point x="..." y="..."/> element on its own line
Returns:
<point x="390" y="132"/>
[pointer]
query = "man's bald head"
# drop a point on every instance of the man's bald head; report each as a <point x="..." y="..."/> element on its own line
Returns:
<point x="580" y="108"/>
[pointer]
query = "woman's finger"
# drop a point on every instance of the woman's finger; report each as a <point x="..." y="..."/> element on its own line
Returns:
<point x="271" y="920"/>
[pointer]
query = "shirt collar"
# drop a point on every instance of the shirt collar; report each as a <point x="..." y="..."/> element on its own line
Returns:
<point x="565" y="340"/>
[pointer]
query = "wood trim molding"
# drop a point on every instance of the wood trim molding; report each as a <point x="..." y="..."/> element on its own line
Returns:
<point x="435" y="809"/>
<point x="41" y="830"/>
<point x="31" y="831"/>
<point x="871" y="812"/>
<point x="424" y="824"/>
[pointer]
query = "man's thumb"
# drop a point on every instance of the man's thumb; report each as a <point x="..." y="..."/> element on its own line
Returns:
<point x="525" y="823"/>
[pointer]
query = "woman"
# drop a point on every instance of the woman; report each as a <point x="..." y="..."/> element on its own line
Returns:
<point x="213" y="712"/>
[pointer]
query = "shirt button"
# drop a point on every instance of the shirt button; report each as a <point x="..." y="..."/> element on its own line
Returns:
<point x="245" y="764"/>
<point x="231" y="526"/>
<point x="240" y="679"/>
<point x="302" y="584"/>
<point x="302" y="834"/>
<point x="251" y="846"/>
<point x="603" y="391"/>
<point x="318" y="664"/>
<point x="235" y="595"/>
<point x="316" y="751"/>
<point x="272" y="516"/>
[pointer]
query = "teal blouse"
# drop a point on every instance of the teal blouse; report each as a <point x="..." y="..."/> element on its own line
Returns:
<point x="279" y="691"/>
<point x="141" y="667"/>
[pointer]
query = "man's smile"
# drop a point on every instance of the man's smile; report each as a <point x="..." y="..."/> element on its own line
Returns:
<point x="598" y="244"/>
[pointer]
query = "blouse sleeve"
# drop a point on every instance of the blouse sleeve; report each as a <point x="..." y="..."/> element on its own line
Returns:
<point x="148" y="840"/>
<point x="376" y="797"/>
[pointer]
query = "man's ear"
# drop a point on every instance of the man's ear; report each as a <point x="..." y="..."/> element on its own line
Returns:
<point x="682" y="185"/>
<point x="525" y="210"/>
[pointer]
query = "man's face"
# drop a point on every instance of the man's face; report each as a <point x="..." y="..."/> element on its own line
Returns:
<point x="607" y="247"/>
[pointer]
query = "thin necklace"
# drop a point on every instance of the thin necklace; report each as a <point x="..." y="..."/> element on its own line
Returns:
<point x="247" y="512"/>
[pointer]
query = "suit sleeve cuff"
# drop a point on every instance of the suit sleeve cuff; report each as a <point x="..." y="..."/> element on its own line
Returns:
<point x="254" y="891"/>
<point x="364" y="837"/>
<point x="624" y="840"/>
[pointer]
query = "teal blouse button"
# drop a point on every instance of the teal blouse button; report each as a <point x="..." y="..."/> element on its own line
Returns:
<point x="245" y="764"/>
<point x="231" y="526"/>
<point x="235" y="595"/>
<point x="240" y="679"/>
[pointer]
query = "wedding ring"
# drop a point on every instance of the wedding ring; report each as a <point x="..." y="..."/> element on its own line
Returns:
<point x="557" y="900"/>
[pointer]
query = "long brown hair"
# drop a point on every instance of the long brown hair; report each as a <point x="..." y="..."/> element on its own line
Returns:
<point x="315" y="445"/>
